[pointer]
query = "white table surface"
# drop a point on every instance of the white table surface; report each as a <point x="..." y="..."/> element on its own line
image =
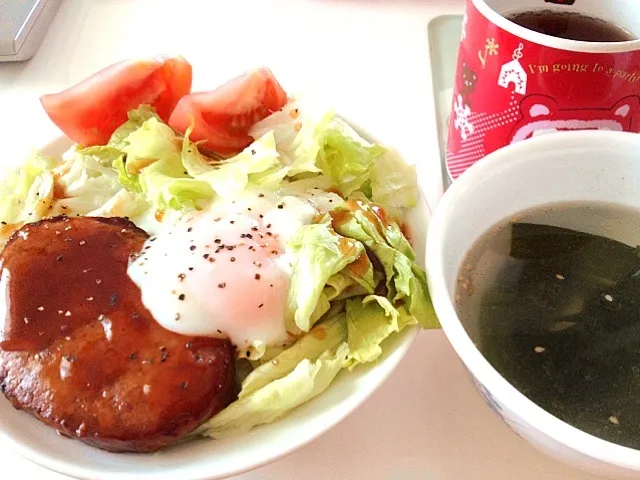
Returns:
<point x="370" y="59"/>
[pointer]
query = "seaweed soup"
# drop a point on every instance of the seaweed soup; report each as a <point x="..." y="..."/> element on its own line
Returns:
<point x="551" y="297"/>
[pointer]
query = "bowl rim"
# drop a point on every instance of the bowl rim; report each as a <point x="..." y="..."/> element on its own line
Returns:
<point x="391" y="360"/>
<point x="474" y="361"/>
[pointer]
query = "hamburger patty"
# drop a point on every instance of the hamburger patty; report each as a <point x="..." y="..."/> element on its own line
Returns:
<point x="79" y="350"/>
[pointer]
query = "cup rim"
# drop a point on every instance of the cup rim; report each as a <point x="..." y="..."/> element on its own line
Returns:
<point x="549" y="40"/>
<point x="479" y="367"/>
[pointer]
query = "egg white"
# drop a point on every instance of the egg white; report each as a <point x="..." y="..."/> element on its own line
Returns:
<point x="223" y="272"/>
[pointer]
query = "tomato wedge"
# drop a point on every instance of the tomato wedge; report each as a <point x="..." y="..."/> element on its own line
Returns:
<point x="90" y="111"/>
<point x="222" y="117"/>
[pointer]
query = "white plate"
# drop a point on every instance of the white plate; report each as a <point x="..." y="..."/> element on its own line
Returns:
<point x="205" y="458"/>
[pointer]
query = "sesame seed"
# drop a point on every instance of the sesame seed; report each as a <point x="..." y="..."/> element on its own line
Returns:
<point x="40" y="308"/>
<point x="67" y="313"/>
<point x="89" y="299"/>
<point x="81" y="242"/>
<point x="539" y="349"/>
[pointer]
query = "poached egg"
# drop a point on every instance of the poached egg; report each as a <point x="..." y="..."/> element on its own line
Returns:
<point x="224" y="272"/>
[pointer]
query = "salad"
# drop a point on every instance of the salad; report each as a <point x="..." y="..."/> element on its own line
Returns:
<point x="328" y="205"/>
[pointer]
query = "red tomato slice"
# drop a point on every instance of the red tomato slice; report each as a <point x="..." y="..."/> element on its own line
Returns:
<point x="223" y="117"/>
<point x="90" y="111"/>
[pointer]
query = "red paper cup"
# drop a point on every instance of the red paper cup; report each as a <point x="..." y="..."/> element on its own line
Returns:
<point x="512" y="83"/>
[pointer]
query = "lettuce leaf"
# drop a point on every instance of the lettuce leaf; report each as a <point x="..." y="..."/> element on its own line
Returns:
<point x="153" y="167"/>
<point x="253" y="165"/>
<point x="308" y="379"/>
<point x="327" y="335"/>
<point x="394" y="183"/>
<point x="406" y="282"/>
<point x="317" y="253"/>
<point x="137" y="117"/>
<point x="370" y="321"/>
<point x="346" y="158"/>
<point x="26" y="193"/>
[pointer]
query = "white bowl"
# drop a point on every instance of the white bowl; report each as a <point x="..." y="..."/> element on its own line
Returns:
<point x="206" y="458"/>
<point x="569" y="166"/>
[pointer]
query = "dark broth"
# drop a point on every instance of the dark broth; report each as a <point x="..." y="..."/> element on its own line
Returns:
<point x="557" y="312"/>
<point x="571" y="25"/>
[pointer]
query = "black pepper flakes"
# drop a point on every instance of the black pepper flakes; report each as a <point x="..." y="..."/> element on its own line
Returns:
<point x="232" y="259"/>
<point x="133" y="356"/>
<point x="257" y="276"/>
<point x="191" y="269"/>
<point x="59" y="258"/>
<point x="281" y="206"/>
<point x="185" y="385"/>
<point x="113" y="300"/>
<point x="217" y="240"/>
<point x="205" y="256"/>
<point x="222" y="285"/>
<point x="261" y="305"/>
<point x="177" y="317"/>
<point x="192" y="248"/>
<point x="181" y="297"/>
<point x="261" y="195"/>
<point x="189" y="229"/>
<point x="181" y="277"/>
<point x="163" y="354"/>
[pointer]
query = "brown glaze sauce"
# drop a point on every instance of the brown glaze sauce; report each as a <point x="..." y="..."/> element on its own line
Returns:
<point x="99" y="366"/>
<point x="54" y="288"/>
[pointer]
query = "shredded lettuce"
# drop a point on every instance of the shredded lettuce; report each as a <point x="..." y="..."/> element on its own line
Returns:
<point x="370" y="321"/>
<point x="354" y="281"/>
<point x="26" y="193"/>
<point x="137" y="117"/>
<point x="317" y="253"/>
<point x="308" y="379"/>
